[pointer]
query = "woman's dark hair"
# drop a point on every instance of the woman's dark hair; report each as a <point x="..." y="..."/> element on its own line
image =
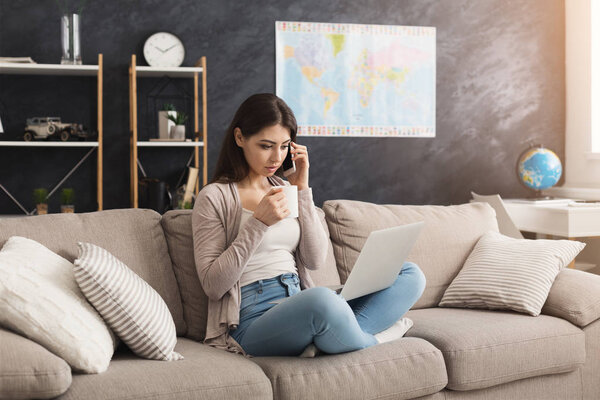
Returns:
<point x="257" y="112"/>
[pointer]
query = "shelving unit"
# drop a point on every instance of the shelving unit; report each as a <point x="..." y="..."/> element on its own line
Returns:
<point x="64" y="70"/>
<point x="153" y="72"/>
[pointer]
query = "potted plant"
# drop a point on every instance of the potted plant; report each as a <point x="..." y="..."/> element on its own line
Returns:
<point x="178" y="131"/>
<point x="40" y="198"/>
<point x="164" y="123"/>
<point x="67" y="195"/>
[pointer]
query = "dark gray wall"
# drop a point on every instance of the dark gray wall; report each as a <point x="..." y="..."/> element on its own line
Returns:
<point x="500" y="81"/>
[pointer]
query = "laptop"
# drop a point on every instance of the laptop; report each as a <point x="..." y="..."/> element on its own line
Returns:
<point x="379" y="261"/>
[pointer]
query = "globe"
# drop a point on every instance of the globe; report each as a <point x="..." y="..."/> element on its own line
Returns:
<point x="539" y="168"/>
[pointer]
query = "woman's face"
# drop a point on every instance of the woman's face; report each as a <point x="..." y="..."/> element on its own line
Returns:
<point x="267" y="148"/>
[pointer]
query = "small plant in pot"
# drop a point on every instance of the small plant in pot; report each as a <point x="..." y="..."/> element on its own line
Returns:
<point x="178" y="131"/>
<point x="164" y="124"/>
<point x="40" y="198"/>
<point x="67" y="195"/>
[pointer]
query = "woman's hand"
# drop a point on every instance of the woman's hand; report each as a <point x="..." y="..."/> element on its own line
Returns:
<point x="300" y="157"/>
<point x="272" y="208"/>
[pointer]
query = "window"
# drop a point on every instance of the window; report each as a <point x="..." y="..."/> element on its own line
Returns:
<point x="595" y="50"/>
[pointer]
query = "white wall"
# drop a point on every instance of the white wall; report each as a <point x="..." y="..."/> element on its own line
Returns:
<point x="582" y="168"/>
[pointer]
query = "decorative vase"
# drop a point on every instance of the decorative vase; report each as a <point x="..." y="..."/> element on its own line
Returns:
<point x="67" y="208"/>
<point x="42" y="208"/>
<point x="178" y="132"/>
<point x="70" y="39"/>
<point x="165" y="124"/>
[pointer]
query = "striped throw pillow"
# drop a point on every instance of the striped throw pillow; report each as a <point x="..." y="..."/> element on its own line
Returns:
<point x="132" y="309"/>
<point x="503" y="273"/>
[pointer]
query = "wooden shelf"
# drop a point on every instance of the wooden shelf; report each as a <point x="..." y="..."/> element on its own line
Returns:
<point x="8" y="143"/>
<point x="198" y="74"/>
<point x="95" y="71"/>
<point x="143" y="143"/>
<point x="48" y="69"/>
<point x="175" y="72"/>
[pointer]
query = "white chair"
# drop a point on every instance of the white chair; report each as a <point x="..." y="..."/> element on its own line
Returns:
<point x="505" y="224"/>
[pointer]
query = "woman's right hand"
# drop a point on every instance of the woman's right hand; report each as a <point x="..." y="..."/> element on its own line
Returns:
<point x="272" y="208"/>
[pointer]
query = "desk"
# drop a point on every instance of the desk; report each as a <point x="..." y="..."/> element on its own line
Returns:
<point x="555" y="219"/>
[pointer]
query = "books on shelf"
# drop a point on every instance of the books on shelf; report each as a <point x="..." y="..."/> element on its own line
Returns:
<point x="21" y="60"/>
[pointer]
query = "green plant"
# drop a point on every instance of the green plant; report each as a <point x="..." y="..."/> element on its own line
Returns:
<point x="40" y="196"/>
<point x="67" y="195"/>
<point x="179" y="118"/>
<point x="168" y="107"/>
<point x="187" y="205"/>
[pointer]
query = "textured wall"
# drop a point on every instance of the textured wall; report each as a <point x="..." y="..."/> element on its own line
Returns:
<point x="500" y="81"/>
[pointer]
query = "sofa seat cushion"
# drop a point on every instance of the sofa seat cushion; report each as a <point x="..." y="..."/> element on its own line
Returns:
<point x="485" y="348"/>
<point x="29" y="371"/>
<point x="401" y="369"/>
<point x="204" y="373"/>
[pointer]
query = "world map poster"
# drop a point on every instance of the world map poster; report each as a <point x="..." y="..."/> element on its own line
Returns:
<point x="357" y="80"/>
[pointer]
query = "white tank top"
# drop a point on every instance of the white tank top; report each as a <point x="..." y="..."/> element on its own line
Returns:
<point x="276" y="253"/>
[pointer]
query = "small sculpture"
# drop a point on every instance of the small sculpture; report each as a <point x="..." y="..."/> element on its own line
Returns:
<point x="52" y="127"/>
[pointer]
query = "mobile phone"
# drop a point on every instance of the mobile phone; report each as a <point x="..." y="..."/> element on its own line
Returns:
<point x="289" y="166"/>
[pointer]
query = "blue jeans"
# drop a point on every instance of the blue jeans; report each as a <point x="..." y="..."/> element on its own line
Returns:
<point x="320" y="315"/>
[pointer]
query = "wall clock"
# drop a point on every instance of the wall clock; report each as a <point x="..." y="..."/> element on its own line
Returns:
<point x="164" y="49"/>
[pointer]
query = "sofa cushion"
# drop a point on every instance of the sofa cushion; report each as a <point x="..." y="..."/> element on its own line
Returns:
<point x="205" y="373"/>
<point x="485" y="348"/>
<point x="130" y="306"/>
<point x="177" y="225"/>
<point x="447" y="239"/>
<point x="135" y="236"/>
<point x="40" y="299"/>
<point x="574" y="296"/>
<point x="28" y="370"/>
<point x="402" y="369"/>
<point x="503" y="273"/>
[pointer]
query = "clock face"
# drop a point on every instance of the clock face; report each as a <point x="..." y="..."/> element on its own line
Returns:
<point x="164" y="49"/>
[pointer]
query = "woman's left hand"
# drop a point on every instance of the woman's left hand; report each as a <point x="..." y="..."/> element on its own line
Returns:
<point x="300" y="157"/>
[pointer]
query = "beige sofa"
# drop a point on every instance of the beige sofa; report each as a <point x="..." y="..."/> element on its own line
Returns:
<point x="447" y="354"/>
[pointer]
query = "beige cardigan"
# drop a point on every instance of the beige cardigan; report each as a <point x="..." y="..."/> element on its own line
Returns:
<point x="221" y="252"/>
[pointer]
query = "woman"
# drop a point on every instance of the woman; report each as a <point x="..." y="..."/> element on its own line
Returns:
<point x="248" y="253"/>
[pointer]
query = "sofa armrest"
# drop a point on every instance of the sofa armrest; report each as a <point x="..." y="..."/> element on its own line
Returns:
<point x="28" y="370"/>
<point x="574" y="296"/>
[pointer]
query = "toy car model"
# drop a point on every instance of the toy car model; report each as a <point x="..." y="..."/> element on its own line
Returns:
<point x="52" y="127"/>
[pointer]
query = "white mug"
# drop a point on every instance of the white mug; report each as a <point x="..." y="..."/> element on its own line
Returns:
<point x="291" y="193"/>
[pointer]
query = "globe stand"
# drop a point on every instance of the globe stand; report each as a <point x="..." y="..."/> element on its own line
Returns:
<point x="539" y="196"/>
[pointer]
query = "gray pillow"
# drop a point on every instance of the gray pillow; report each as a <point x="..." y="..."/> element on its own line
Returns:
<point x="29" y="371"/>
<point x="503" y="273"/>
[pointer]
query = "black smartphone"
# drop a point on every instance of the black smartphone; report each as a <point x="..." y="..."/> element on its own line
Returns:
<point x="289" y="166"/>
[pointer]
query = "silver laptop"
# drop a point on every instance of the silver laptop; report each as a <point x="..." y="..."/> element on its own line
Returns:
<point x="379" y="261"/>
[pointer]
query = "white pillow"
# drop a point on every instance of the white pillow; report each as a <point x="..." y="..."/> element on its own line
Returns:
<point x="135" y="311"/>
<point x="504" y="273"/>
<point x="40" y="299"/>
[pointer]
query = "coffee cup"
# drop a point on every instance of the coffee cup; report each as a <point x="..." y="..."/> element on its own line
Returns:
<point x="291" y="194"/>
